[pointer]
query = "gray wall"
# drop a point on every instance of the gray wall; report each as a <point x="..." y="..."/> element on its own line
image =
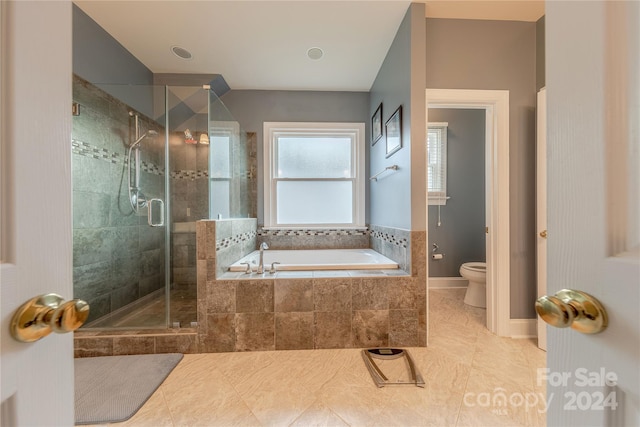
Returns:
<point x="470" y="54"/>
<point x="254" y="107"/>
<point x="395" y="200"/>
<point x="99" y="58"/>
<point x="461" y="236"/>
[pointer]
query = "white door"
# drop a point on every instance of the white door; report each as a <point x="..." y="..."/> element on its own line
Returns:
<point x="593" y="101"/>
<point x="35" y="201"/>
<point x="541" y="207"/>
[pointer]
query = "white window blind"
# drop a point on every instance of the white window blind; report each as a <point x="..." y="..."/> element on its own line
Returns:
<point x="437" y="164"/>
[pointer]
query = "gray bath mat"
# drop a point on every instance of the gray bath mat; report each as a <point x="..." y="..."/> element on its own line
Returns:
<point x="111" y="389"/>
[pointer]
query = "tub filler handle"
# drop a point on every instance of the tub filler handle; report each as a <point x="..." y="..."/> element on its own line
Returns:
<point x="272" y="270"/>
<point x="248" y="270"/>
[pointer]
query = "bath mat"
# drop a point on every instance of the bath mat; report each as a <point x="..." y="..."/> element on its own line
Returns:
<point x="112" y="389"/>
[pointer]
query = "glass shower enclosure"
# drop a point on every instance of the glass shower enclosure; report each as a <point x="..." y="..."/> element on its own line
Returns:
<point x="148" y="162"/>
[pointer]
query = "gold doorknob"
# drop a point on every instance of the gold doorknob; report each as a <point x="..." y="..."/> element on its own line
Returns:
<point x="43" y="314"/>
<point x="543" y="234"/>
<point x="581" y="311"/>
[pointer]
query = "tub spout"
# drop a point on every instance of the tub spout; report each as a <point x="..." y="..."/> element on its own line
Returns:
<point x="263" y="247"/>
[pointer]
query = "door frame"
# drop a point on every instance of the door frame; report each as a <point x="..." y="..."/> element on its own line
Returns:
<point x="496" y="106"/>
<point x="541" y="208"/>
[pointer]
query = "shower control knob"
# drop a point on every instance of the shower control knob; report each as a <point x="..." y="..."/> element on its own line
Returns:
<point x="576" y="309"/>
<point x="43" y="314"/>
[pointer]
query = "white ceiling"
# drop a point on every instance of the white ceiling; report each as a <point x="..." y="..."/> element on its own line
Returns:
<point x="263" y="44"/>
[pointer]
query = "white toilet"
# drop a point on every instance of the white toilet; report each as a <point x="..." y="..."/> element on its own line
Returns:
<point x="476" y="274"/>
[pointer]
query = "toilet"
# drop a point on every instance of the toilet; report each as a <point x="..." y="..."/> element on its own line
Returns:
<point x="476" y="274"/>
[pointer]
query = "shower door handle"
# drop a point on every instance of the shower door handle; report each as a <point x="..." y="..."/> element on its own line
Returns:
<point x="150" y="213"/>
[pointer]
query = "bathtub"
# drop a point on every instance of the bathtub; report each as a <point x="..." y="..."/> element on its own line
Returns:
<point x="318" y="259"/>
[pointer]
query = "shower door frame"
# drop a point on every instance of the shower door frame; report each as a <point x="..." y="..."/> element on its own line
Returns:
<point x="167" y="215"/>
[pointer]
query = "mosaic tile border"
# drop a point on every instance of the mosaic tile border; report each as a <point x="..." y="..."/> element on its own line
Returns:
<point x="189" y="174"/>
<point x="238" y="238"/>
<point x="390" y="238"/>
<point x="313" y="232"/>
<point x="85" y="149"/>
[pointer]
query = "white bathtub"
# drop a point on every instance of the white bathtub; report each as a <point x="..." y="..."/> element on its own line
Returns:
<point x="318" y="259"/>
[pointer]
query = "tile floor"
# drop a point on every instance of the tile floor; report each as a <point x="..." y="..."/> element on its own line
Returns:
<point x="469" y="375"/>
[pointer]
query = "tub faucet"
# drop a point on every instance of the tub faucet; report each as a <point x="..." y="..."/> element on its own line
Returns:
<point x="263" y="247"/>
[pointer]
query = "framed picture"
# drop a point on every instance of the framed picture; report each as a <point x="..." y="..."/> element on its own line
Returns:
<point x="376" y="125"/>
<point x="393" y="129"/>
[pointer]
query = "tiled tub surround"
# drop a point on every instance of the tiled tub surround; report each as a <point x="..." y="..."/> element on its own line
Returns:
<point x="117" y="257"/>
<point x="228" y="240"/>
<point x="312" y="309"/>
<point x="315" y="239"/>
<point x="303" y="310"/>
<point x="393" y="243"/>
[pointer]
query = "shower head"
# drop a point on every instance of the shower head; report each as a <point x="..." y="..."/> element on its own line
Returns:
<point x="144" y="135"/>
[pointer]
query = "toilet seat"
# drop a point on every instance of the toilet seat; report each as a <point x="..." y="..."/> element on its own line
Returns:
<point x="480" y="267"/>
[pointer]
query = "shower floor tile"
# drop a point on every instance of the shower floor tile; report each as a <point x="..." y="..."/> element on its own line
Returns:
<point x="334" y="388"/>
<point x="152" y="314"/>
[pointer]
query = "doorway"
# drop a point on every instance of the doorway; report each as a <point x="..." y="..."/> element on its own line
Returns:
<point x="495" y="103"/>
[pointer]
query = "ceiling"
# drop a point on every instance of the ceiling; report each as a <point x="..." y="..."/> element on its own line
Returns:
<point x="263" y="44"/>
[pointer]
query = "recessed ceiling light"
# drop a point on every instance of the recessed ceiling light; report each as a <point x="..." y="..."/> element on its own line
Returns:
<point x="181" y="52"/>
<point x="315" y="53"/>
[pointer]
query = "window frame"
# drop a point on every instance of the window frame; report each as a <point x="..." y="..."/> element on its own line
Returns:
<point x="231" y="130"/>
<point x="273" y="130"/>
<point x="438" y="197"/>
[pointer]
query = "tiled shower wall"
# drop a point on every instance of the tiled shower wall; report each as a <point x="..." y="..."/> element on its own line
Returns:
<point x="190" y="200"/>
<point x="244" y="184"/>
<point x="304" y="310"/>
<point x="117" y="257"/>
<point x="189" y="164"/>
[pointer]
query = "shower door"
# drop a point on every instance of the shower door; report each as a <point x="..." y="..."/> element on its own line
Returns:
<point x="164" y="149"/>
<point x="120" y="217"/>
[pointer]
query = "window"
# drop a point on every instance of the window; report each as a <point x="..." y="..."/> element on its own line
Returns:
<point x="314" y="174"/>
<point x="223" y="136"/>
<point x="437" y="165"/>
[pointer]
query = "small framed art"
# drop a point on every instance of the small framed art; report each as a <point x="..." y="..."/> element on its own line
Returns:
<point x="393" y="130"/>
<point x="376" y="125"/>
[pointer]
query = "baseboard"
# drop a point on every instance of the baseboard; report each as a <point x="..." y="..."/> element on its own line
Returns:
<point x="447" y="282"/>
<point x="523" y="328"/>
